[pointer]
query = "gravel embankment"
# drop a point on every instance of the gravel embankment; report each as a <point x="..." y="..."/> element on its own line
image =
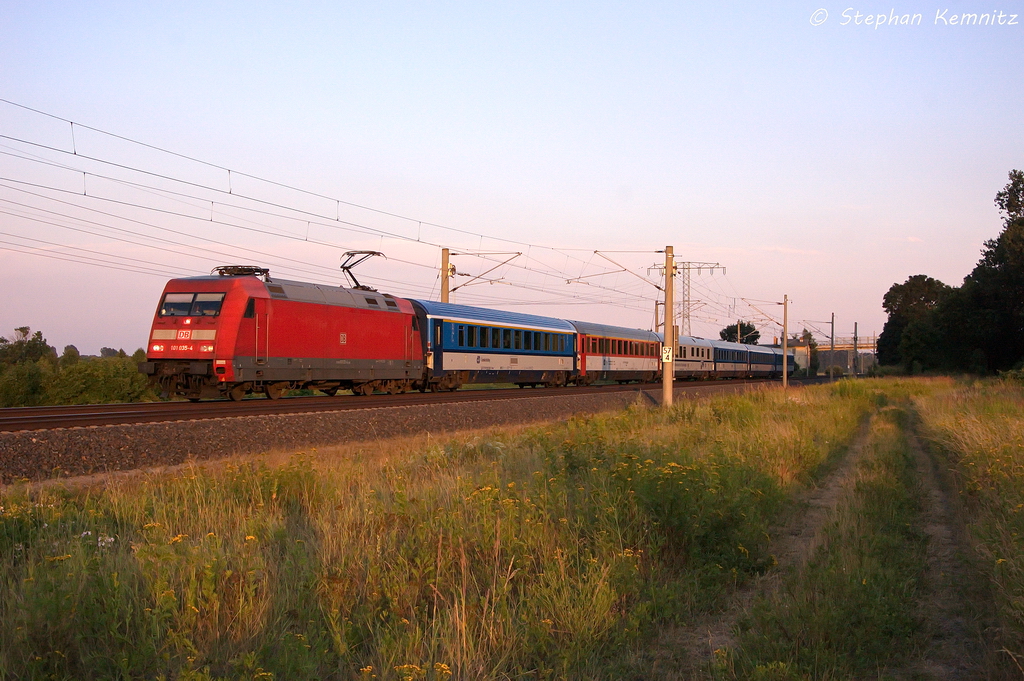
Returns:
<point x="62" y="452"/>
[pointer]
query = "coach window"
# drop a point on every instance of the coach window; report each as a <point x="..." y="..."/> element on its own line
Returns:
<point x="437" y="334"/>
<point x="517" y="339"/>
<point x="506" y="339"/>
<point x="527" y="340"/>
<point x="176" y="305"/>
<point x="462" y="335"/>
<point x="471" y="337"/>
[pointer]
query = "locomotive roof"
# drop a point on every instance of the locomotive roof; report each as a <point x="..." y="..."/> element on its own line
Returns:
<point x="483" y="315"/>
<point x="592" y="329"/>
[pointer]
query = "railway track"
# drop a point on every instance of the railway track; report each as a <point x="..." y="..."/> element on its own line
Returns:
<point x="44" y="418"/>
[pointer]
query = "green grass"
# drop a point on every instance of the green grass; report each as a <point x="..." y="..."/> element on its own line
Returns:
<point x="544" y="552"/>
<point x="852" y="610"/>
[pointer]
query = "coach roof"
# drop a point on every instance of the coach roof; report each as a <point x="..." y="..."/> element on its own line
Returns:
<point x="481" y="315"/>
<point x="607" y="331"/>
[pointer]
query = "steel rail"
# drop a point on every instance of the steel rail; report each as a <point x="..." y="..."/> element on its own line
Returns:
<point x="71" y="416"/>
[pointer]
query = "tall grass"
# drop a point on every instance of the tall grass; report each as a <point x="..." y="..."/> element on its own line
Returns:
<point x="980" y="429"/>
<point x="544" y="552"/>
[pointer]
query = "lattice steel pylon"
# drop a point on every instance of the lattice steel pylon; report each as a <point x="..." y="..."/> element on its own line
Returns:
<point x="687" y="304"/>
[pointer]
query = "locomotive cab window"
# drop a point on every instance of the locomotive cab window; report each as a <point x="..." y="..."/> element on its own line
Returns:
<point x="250" y="309"/>
<point x="191" y="304"/>
<point x="177" y="305"/>
<point x="207" y="304"/>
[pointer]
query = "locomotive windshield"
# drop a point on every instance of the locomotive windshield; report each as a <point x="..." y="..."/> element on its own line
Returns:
<point x="191" y="304"/>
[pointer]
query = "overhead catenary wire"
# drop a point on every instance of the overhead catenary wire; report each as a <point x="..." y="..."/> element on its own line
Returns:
<point x="231" y="207"/>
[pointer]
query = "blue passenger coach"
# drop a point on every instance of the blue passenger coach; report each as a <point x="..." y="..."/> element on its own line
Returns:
<point x="732" y="360"/>
<point x="466" y="344"/>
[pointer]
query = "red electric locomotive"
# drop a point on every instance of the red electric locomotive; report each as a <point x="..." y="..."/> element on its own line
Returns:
<point x="239" y="331"/>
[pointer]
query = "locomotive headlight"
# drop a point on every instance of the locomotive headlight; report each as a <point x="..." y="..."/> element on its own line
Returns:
<point x="205" y="348"/>
<point x="158" y="348"/>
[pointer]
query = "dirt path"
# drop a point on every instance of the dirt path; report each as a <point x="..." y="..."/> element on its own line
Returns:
<point x="681" y="653"/>
<point x="952" y="610"/>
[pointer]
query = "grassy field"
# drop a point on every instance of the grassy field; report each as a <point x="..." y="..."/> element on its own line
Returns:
<point x="543" y="552"/>
<point x="979" y="428"/>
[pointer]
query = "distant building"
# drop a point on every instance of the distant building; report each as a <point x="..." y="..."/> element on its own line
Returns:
<point x="843" y="360"/>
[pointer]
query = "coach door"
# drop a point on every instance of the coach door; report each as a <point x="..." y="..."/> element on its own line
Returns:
<point x="262" y="330"/>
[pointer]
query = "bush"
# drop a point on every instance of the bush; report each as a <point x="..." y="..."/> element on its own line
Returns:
<point x="22" y="384"/>
<point x="98" y="381"/>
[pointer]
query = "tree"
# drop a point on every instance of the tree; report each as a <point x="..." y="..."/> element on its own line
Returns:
<point x="906" y="302"/>
<point x="991" y="303"/>
<point x="70" y="356"/>
<point x="25" y="347"/>
<point x="812" y="351"/>
<point x="1010" y="201"/>
<point x="748" y="333"/>
<point x="25" y="362"/>
<point x="977" y="327"/>
<point x="108" y="352"/>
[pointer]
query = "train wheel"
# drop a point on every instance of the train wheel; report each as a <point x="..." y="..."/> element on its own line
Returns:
<point x="237" y="393"/>
<point x="393" y="387"/>
<point x="276" y="390"/>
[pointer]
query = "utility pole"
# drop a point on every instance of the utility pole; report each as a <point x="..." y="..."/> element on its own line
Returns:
<point x="669" y="348"/>
<point x="446" y="274"/>
<point x="785" y="341"/>
<point x="832" y="351"/>
<point x="739" y="334"/>
<point x="855" y="362"/>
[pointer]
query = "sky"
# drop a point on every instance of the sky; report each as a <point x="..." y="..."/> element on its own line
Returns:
<point x="808" y="152"/>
